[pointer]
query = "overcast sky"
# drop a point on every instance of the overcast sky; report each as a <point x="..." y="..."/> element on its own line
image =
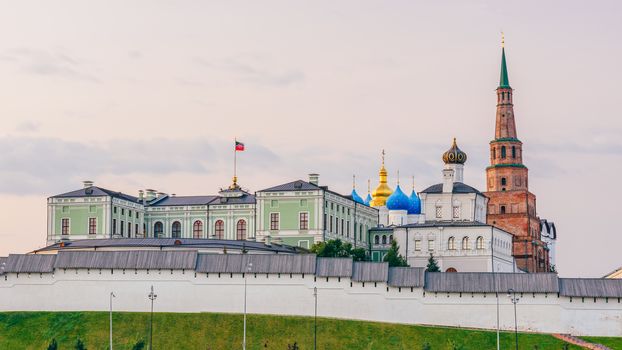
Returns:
<point x="135" y="94"/>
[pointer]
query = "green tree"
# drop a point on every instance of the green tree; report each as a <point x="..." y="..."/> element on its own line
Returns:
<point x="432" y="264"/>
<point x="53" y="345"/>
<point x="359" y="254"/>
<point x="335" y="248"/>
<point x="393" y="256"/>
<point x="80" y="345"/>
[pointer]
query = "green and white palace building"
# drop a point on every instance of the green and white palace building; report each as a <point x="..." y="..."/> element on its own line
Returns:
<point x="299" y="213"/>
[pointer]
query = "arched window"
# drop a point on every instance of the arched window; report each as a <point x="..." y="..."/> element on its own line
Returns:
<point x="502" y="209"/>
<point x="197" y="229"/>
<point x="240" y="230"/>
<point x="504" y="181"/>
<point x="158" y="229"/>
<point x="219" y="229"/>
<point x="176" y="229"/>
<point x="451" y="243"/>
<point x="384" y="239"/>
<point x="502" y="151"/>
<point x="390" y="238"/>
<point x="451" y="269"/>
<point x="513" y="151"/>
<point x="465" y="243"/>
<point x="376" y="239"/>
<point x="479" y="243"/>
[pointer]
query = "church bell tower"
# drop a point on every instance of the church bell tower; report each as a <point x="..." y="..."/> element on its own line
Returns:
<point x="511" y="206"/>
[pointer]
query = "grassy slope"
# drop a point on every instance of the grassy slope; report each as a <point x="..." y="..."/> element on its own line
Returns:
<point x="611" y="342"/>
<point x="34" y="330"/>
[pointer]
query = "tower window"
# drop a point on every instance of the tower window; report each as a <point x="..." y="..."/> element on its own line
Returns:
<point x="502" y="209"/>
<point x="513" y="151"/>
<point x="503" y="152"/>
<point x="439" y="211"/>
<point x="503" y="181"/>
<point x="494" y="153"/>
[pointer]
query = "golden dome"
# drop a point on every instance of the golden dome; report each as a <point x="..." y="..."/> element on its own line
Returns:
<point x="454" y="155"/>
<point x="383" y="191"/>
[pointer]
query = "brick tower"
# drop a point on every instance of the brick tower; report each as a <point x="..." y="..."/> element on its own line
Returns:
<point x="511" y="206"/>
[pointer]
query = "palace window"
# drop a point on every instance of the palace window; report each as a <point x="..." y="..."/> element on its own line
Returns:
<point x="64" y="226"/>
<point x="503" y="152"/>
<point x="376" y="239"/>
<point x="417" y="245"/>
<point x="122" y="228"/>
<point x="114" y="210"/>
<point x="240" y="230"/>
<point x="136" y="229"/>
<point x="431" y="245"/>
<point x="465" y="243"/>
<point x="129" y="229"/>
<point x="331" y="224"/>
<point x="342" y="225"/>
<point x="92" y="226"/>
<point x="176" y="229"/>
<point x="439" y="211"/>
<point x="158" y="229"/>
<point x="384" y="239"/>
<point x="274" y="221"/>
<point x="114" y="226"/>
<point x="129" y="213"/>
<point x="122" y="211"/>
<point x="451" y="243"/>
<point x="479" y="242"/>
<point x="197" y="229"/>
<point x="219" y="229"/>
<point x="348" y="229"/>
<point x="303" y="219"/>
<point x="456" y="212"/>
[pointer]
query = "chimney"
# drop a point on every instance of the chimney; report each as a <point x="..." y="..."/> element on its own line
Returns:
<point x="151" y="194"/>
<point x="141" y="195"/>
<point x="314" y="179"/>
<point x="448" y="180"/>
<point x="87" y="183"/>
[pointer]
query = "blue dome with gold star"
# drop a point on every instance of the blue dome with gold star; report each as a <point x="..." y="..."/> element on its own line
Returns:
<point x="415" y="203"/>
<point x="398" y="200"/>
<point x="356" y="197"/>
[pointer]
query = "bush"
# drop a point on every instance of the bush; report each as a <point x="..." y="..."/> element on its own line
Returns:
<point x="140" y="345"/>
<point x="426" y="346"/>
<point x="53" y="345"/>
<point x="80" y="345"/>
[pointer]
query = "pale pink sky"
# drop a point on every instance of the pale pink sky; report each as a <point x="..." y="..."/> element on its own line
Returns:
<point x="151" y="93"/>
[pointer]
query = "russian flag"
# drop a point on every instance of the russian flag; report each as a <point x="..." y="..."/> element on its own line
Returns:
<point x="239" y="146"/>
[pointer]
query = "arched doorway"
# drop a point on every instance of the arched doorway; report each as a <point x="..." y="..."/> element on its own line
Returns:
<point x="176" y="229"/>
<point x="451" y="269"/>
<point x="158" y="229"/>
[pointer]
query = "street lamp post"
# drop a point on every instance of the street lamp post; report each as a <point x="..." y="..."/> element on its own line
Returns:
<point x="514" y="299"/>
<point x="248" y="269"/>
<point x="111" y="296"/>
<point x="315" y="320"/>
<point x="152" y="296"/>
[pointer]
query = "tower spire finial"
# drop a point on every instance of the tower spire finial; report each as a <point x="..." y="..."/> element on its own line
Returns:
<point x="383" y="157"/>
<point x="413" y="182"/>
<point x="504" y="81"/>
<point x="353" y="181"/>
<point x="398" y="177"/>
<point x="368" y="186"/>
<point x="502" y="39"/>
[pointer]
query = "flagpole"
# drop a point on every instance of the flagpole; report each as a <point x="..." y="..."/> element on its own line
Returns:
<point x="235" y="160"/>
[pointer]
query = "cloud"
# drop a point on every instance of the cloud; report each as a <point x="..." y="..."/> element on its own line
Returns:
<point x="32" y="165"/>
<point x="253" y="69"/>
<point x="52" y="63"/>
<point x="27" y="127"/>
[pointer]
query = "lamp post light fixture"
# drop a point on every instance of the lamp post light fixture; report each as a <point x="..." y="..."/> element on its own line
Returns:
<point x="152" y="296"/>
<point x="248" y="270"/>
<point x="514" y="300"/>
<point x="111" y="296"/>
<point x="315" y="320"/>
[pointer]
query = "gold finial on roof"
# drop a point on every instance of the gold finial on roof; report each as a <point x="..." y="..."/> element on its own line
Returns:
<point x="398" y="177"/>
<point x="353" y="182"/>
<point x="413" y="182"/>
<point x="368" y="186"/>
<point x="502" y="39"/>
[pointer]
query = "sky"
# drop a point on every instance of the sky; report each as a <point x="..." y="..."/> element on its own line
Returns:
<point x="151" y="94"/>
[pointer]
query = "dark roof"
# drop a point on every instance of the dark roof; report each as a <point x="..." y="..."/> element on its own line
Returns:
<point x="245" y="199"/>
<point x="140" y="259"/>
<point x="184" y="200"/>
<point x="170" y="243"/>
<point x="488" y="282"/>
<point x="297" y="185"/>
<point x="95" y="191"/>
<point x="447" y="223"/>
<point x="406" y="276"/>
<point x="366" y="271"/>
<point x="591" y="287"/>
<point x="260" y="263"/>
<point x="459" y="187"/>
<point x="334" y="267"/>
<point x="24" y="263"/>
<point x="2" y="263"/>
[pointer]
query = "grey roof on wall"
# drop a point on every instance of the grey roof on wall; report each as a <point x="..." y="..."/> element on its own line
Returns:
<point x="484" y="282"/>
<point x="406" y="276"/>
<point x="334" y="267"/>
<point x="245" y="199"/>
<point x="590" y="287"/>
<point x="297" y="185"/>
<point x="184" y="200"/>
<point x="95" y="191"/>
<point x="365" y="271"/>
<point x="141" y="259"/>
<point x="24" y="263"/>
<point x="2" y="263"/>
<point x="170" y="243"/>
<point x="260" y="263"/>
<point x="459" y="187"/>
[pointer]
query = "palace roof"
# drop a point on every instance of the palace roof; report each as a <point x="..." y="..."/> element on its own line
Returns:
<point x="95" y="191"/>
<point x="459" y="187"/>
<point x="298" y="185"/>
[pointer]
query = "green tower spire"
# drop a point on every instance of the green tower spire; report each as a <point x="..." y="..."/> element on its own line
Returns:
<point x="504" y="81"/>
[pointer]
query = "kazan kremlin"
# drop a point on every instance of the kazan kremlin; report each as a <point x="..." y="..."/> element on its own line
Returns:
<point x="485" y="241"/>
